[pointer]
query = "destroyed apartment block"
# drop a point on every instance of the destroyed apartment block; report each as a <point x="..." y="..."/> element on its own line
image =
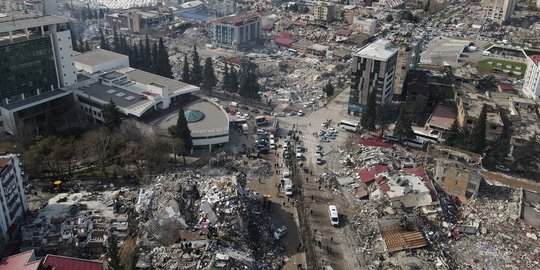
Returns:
<point x="404" y="190"/>
<point x="529" y="208"/>
<point x="401" y="234"/>
<point x="78" y="222"/>
<point x="457" y="179"/>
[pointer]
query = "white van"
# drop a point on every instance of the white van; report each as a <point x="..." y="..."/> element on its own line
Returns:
<point x="233" y="104"/>
<point x="334" y="216"/>
<point x="287" y="184"/>
<point x="272" y="144"/>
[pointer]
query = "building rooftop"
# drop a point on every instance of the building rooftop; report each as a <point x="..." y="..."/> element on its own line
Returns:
<point x="535" y="58"/>
<point x="238" y="19"/>
<point x="442" y="117"/>
<point x="97" y="57"/>
<point x="68" y="263"/>
<point x="144" y="77"/>
<point x="22" y="261"/>
<point x="381" y="49"/>
<point x="214" y="118"/>
<point x="4" y="162"/>
<point x="18" y="24"/>
<point x="44" y="97"/>
<point x="121" y="97"/>
<point x="368" y="174"/>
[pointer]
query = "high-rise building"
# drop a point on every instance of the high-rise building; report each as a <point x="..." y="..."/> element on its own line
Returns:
<point x="13" y="204"/>
<point x="497" y="10"/>
<point x="237" y="32"/>
<point x="37" y="59"/>
<point x="531" y="84"/>
<point x="373" y="70"/>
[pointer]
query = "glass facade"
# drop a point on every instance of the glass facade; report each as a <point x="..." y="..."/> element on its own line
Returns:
<point x="25" y="67"/>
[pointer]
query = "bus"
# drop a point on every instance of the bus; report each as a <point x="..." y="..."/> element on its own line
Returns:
<point x="425" y="137"/>
<point x="349" y="125"/>
<point x="414" y="143"/>
<point x="334" y="216"/>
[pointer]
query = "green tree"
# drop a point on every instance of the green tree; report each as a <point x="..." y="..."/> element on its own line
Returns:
<point x="384" y="115"/>
<point x="87" y="46"/>
<point x="104" y="43"/>
<point x="196" y="71"/>
<point x="181" y="131"/>
<point x="500" y="148"/>
<point x="477" y="139"/>
<point x="528" y="154"/>
<point x="147" y="56"/>
<point x="134" y="60"/>
<point x="249" y="87"/>
<point x="369" y="115"/>
<point x="112" y="116"/>
<point x="226" y="78"/>
<point x="116" y="42"/>
<point x="113" y="262"/>
<point x="233" y="82"/>
<point x="329" y="89"/>
<point x="455" y="136"/>
<point x="156" y="67"/>
<point x="186" y="77"/>
<point x="403" y="129"/>
<point x="209" y="76"/>
<point x="165" y="64"/>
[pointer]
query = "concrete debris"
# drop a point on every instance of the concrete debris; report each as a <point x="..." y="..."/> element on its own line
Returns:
<point x="207" y="220"/>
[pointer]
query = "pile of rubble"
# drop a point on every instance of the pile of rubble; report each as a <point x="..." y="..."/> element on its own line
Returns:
<point x="202" y="220"/>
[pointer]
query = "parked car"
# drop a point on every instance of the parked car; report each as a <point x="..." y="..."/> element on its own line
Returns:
<point x="300" y="113"/>
<point x="280" y="232"/>
<point x="253" y="110"/>
<point x="502" y="168"/>
<point x="280" y="114"/>
<point x="215" y="99"/>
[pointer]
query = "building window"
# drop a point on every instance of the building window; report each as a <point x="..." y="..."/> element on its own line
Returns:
<point x="472" y="186"/>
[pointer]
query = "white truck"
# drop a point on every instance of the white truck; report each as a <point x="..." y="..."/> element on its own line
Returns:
<point x="288" y="187"/>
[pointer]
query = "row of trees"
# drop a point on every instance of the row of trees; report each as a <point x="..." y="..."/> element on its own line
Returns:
<point x="244" y="82"/>
<point x="89" y="14"/>
<point x="382" y="115"/>
<point x="471" y="140"/>
<point x="115" y="145"/>
<point x="151" y="58"/>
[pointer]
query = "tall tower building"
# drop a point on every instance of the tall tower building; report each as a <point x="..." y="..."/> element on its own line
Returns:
<point x="13" y="203"/>
<point x="498" y="10"/>
<point x="37" y="59"/>
<point x="531" y="81"/>
<point x="373" y="70"/>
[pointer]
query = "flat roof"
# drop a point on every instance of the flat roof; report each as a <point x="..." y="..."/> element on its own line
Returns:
<point x="381" y="49"/>
<point x="18" y="24"/>
<point x="105" y="93"/>
<point x="214" y="117"/>
<point x="236" y="19"/>
<point x="442" y="117"/>
<point x="144" y="77"/>
<point x="97" y="57"/>
<point x="27" y="101"/>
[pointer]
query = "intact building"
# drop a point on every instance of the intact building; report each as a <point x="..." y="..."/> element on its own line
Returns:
<point x="497" y="10"/>
<point x="531" y="84"/>
<point x="373" y="71"/>
<point x="237" y="32"/>
<point x="140" y="94"/>
<point x="12" y="198"/>
<point x="37" y="59"/>
<point x="324" y="12"/>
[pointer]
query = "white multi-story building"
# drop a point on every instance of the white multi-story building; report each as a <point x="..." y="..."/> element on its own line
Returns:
<point x="531" y="84"/>
<point x="497" y="10"/>
<point x="373" y="71"/>
<point x="12" y="198"/>
<point x="237" y="32"/>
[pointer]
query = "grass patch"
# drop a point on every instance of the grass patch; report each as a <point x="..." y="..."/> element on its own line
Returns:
<point x="487" y="65"/>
